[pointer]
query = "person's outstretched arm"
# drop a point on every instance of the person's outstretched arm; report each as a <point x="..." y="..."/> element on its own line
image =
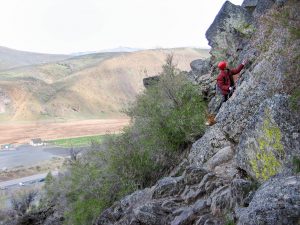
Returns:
<point x="239" y="68"/>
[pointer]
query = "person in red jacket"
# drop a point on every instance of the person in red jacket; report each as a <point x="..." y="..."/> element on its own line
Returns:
<point x="225" y="80"/>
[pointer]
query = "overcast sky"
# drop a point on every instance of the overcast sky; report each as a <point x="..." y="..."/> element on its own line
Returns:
<point x="68" y="26"/>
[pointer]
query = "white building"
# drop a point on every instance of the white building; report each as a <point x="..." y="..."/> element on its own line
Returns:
<point x="36" y="142"/>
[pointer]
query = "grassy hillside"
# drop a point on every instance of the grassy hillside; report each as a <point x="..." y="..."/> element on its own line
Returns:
<point x="10" y="58"/>
<point x="84" y="87"/>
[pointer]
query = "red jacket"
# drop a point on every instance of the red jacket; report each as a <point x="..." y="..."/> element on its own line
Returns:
<point x="223" y="79"/>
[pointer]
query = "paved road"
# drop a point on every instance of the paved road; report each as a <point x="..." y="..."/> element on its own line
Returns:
<point x="26" y="180"/>
<point x="27" y="155"/>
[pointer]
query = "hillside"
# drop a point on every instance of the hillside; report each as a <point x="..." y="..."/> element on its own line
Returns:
<point x="243" y="169"/>
<point x="89" y="86"/>
<point x="10" y="58"/>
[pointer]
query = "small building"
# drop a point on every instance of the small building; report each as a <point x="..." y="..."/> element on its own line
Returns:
<point x="6" y="147"/>
<point x="36" y="142"/>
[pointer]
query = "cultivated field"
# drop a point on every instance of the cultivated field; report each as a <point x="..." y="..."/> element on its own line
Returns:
<point x="23" y="133"/>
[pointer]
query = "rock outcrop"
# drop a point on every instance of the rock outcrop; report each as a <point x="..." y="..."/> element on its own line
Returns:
<point x="271" y="139"/>
<point x="149" y="81"/>
<point x="277" y="202"/>
<point x="245" y="169"/>
<point x="254" y="142"/>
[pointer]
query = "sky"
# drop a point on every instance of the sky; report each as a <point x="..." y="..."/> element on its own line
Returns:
<point x="69" y="26"/>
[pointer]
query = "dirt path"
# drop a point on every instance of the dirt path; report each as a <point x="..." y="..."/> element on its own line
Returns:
<point x="23" y="133"/>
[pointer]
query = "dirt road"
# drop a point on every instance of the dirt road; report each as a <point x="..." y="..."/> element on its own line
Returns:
<point x="23" y="133"/>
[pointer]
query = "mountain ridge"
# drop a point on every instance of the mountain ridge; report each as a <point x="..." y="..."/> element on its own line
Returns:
<point x="59" y="90"/>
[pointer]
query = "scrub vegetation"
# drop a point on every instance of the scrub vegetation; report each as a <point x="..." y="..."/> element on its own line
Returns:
<point x="77" y="142"/>
<point x="166" y="118"/>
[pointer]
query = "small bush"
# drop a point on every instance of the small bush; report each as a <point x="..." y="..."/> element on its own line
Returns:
<point x="22" y="201"/>
<point x="296" y="164"/>
<point x="295" y="99"/>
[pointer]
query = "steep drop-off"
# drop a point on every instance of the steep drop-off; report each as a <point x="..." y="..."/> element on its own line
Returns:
<point x="245" y="169"/>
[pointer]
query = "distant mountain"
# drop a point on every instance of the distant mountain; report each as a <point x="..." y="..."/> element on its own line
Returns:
<point x="119" y="49"/>
<point x="122" y="49"/>
<point x="10" y="58"/>
<point x="83" y="87"/>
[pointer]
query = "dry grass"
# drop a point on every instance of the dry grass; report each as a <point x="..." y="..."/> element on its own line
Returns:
<point x="13" y="132"/>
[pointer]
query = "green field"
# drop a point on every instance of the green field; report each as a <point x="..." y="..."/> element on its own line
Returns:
<point x="77" y="142"/>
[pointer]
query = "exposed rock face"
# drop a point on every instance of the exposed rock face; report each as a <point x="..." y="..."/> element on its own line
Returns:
<point x="271" y="139"/>
<point x="227" y="33"/>
<point x="277" y="202"/>
<point x="200" y="75"/>
<point x="168" y="186"/>
<point x="149" y="81"/>
<point x="262" y="6"/>
<point x="253" y="143"/>
<point x="212" y="141"/>
<point x="249" y="3"/>
<point x="256" y="135"/>
<point x="200" y="67"/>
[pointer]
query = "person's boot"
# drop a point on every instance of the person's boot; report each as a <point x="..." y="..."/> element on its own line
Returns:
<point x="210" y="120"/>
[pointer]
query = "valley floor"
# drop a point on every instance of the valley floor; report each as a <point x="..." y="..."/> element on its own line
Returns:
<point x="18" y="133"/>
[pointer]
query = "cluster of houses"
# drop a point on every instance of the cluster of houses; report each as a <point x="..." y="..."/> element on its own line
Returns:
<point x="34" y="142"/>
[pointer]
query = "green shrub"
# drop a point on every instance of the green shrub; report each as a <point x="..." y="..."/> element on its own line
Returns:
<point x="165" y="118"/>
<point x="296" y="164"/>
<point x="295" y="99"/>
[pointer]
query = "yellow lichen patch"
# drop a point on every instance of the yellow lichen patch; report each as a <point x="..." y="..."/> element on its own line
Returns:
<point x="267" y="159"/>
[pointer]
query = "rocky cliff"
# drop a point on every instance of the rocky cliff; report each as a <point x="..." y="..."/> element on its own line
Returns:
<point x="245" y="169"/>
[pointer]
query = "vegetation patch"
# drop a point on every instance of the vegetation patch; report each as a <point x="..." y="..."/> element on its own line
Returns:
<point x="296" y="164"/>
<point x="295" y="99"/>
<point x="267" y="160"/>
<point x="77" y="142"/>
<point x="166" y="118"/>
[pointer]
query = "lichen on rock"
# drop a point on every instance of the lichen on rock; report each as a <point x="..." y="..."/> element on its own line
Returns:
<point x="267" y="143"/>
<point x="266" y="162"/>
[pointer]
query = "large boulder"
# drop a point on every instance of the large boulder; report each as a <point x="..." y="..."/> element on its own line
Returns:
<point x="150" y="81"/>
<point x="228" y="33"/>
<point x="200" y="75"/>
<point x="123" y="209"/>
<point x="212" y="141"/>
<point x="277" y="202"/>
<point x="168" y="186"/>
<point x="271" y="140"/>
<point x="194" y="174"/>
<point x="200" y="67"/>
<point x="150" y="214"/>
<point x="222" y="156"/>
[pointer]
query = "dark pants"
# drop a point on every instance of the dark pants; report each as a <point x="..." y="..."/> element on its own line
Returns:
<point x="225" y="98"/>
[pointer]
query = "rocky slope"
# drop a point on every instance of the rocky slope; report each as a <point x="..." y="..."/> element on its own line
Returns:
<point x="245" y="169"/>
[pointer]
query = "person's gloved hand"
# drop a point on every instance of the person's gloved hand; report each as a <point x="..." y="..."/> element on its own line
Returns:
<point x="245" y="61"/>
